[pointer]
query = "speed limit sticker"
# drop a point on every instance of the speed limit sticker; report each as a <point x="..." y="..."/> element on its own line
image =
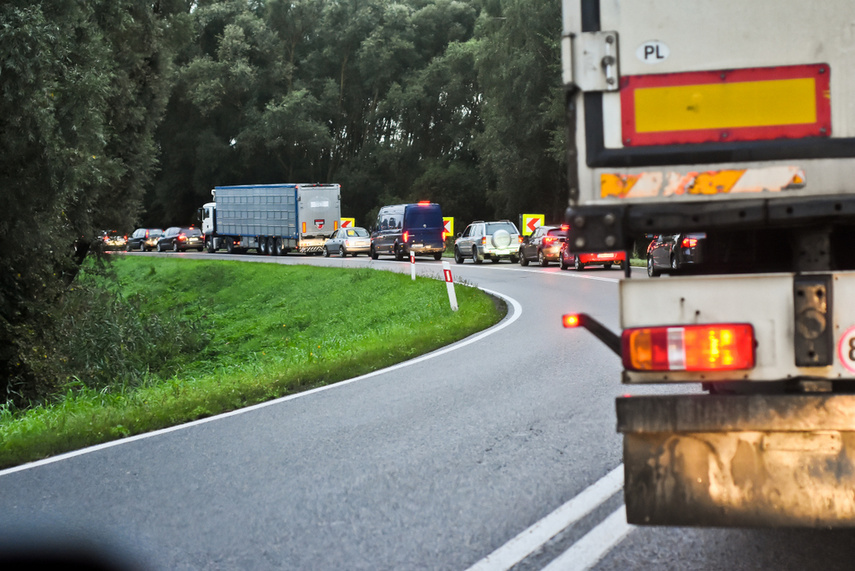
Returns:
<point x="846" y="349"/>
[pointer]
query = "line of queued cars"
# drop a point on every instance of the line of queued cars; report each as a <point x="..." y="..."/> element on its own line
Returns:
<point x="547" y="244"/>
<point x="175" y="238"/>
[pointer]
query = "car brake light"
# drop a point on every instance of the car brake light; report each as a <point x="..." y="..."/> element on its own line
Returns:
<point x="483" y="240"/>
<point x="715" y="347"/>
<point x="181" y="237"/>
<point x="547" y="240"/>
<point x="423" y="202"/>
<point x="520" y="239"/>
<point x="690" y="242"/>
<point x="406" y="237"/>
<point x="444" y="234"/>
<point x="565" y="227"/>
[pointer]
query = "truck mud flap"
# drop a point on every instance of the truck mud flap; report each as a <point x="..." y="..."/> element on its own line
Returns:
<point x="739" y="461"/>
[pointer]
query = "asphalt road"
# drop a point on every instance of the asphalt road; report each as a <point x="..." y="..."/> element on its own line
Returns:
<point x="497" y="452"/>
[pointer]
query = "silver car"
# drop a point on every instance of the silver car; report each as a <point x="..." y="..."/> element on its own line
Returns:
<point x="354" y="240"/>
<point x="488" y="240"/>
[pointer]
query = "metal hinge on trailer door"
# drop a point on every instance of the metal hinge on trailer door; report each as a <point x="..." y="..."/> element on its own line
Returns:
<point x="590" y="61"/>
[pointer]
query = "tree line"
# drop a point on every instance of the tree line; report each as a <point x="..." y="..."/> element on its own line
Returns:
<point x="125" y="113"/>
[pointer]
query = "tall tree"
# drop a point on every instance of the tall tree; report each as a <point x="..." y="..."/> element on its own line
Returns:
<point x="81" y="89"/>
<point x="519" y="72"/>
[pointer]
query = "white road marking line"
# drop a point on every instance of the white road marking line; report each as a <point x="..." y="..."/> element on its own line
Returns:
<point x="542" y="531"/>
<point x="586" y="552"/>
<point x="517" y="312"/>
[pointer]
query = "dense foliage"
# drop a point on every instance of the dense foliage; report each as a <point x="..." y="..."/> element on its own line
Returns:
<point x="119" y="113"/>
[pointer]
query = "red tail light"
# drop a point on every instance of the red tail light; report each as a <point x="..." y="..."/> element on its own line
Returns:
<point x="520" y="239"/>
<point x="715" y="347"/>
<point x="548" y="240"/>
<point x="423" y="202"/>
<point x="689" y="242"/>
<point x="406" y="237"/>
<point x="444" y="234"/>
<point x="483" y="240"/>
<point x="181" y="237"/>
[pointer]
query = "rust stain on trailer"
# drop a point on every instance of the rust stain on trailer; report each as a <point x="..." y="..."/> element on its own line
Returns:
<point x="658" y="184"/>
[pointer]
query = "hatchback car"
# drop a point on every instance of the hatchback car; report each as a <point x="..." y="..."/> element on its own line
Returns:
<point x="344" y="241"/>
<point x="543" y="246"/>
<point x="582" y="260"/>
<point x="673" y="253"/>
<point x="144" y="239"/>
<point x="488" y="241"/>
<point x="181" y="239"/>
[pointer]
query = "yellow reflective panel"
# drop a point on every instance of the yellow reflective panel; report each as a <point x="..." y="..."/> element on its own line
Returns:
<point x="725" y="105"/>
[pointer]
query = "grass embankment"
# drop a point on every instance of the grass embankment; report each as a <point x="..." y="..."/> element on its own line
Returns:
<point x="268" y="330"/>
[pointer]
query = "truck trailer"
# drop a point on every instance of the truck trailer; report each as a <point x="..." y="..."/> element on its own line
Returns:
<point x="736" y="119"/>
<point x="273" y="219"/>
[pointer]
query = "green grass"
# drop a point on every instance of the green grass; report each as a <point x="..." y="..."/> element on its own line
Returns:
<point x="269" y="330"/>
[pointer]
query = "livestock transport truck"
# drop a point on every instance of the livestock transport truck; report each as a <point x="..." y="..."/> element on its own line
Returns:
<point x="735" y="118"/>
<point x="273" y="219"/>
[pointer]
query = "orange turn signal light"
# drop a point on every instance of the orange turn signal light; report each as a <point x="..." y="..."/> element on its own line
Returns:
<point x="713" y="347"/>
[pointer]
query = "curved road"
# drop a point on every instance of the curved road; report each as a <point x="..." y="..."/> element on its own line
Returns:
<point x="498" y="452"/>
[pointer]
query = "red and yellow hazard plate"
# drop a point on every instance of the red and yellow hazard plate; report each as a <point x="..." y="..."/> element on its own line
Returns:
<point x="729" y="105"/>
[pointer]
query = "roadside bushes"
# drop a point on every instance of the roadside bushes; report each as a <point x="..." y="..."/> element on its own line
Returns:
<point x="102" y="340"/>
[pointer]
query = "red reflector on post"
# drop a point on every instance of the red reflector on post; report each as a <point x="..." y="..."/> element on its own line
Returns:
<point x="713" y="347"/>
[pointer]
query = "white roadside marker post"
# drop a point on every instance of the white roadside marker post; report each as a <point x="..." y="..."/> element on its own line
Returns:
<point x="413" y="266"/>
<point x="449" y="284"/>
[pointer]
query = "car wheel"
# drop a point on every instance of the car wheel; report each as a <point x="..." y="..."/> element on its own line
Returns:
<point x="343" y="252"/>
<point x="577" y="263"/>
<point x="373" y="254"/>
<point x="475" y="257"/>
<point x="326" y="252"/>
<point x="175" y="246"/>
<point x="142" y="247"/>
<point x="230" y="246"/>
<point x="437" y="256"/>
<point x="673" y="262"/>
<point x="608" y="266"/>
<point x="278" y="250"/>
<point x="457" y="257"/>
<point x="622" y="266"/>
<point x="651" y="270"/>
<point x="399" y="253"/>
<point x="159" y="247"/>
<point x="271" y="251"/>
<point x="523" y="259"/>
<point x="541" y="259"/>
